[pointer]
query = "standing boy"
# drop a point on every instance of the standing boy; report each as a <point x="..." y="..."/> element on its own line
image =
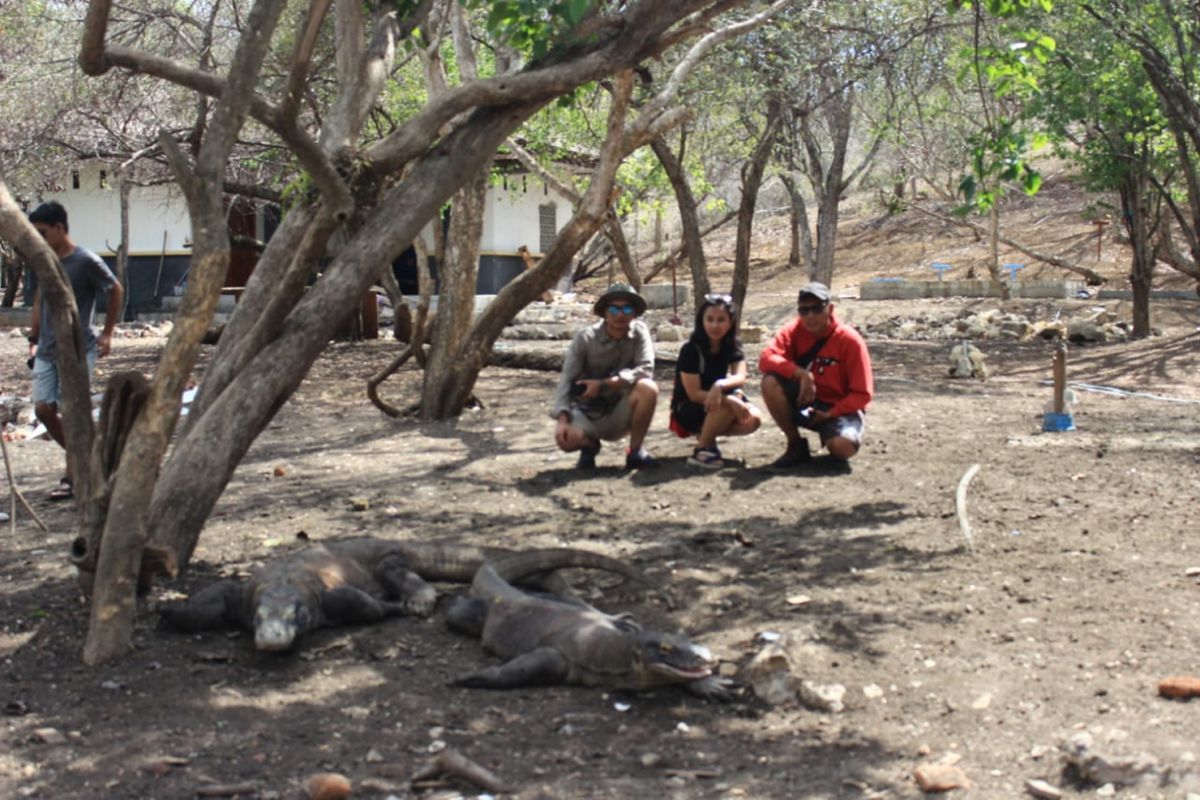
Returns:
<point x="88" y="276"/>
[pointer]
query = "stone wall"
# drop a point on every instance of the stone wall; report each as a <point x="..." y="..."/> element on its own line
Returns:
<point x="913" y="290"/>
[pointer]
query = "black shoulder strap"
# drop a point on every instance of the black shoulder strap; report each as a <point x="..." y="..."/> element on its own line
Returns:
<point x="811" y="353"/>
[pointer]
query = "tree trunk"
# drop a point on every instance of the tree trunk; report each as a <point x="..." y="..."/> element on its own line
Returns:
<point x="1138" y="217"/>
<point x="125" y="185"/>
<point x="456" y="304"/>
<point x="994" y="253"/>
<point x="801" y="250"/>
<point x="827" y="221"/>
<point x="827" y="179"/>
<point x="688" y="218"/>
<point x="75" y="401"/>
<point x="752" y="173"/>
<point x="14" y="272"/>
<point x="591" y="212"/>
<point x="616" y="237"/>
<point x="828" y="175"/>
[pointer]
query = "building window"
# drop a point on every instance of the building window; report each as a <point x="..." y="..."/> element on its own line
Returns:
<point x="74" y="179"/>
<point x="547" y="226"/>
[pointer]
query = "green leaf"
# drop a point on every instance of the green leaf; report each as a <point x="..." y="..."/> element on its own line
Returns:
<point x="1031" y="182"/>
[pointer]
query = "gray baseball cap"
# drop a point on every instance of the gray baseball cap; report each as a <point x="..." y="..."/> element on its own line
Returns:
<point x="814" y="289"/>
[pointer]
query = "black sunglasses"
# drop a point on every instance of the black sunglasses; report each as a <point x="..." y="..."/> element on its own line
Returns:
<point x="804" y="311"/>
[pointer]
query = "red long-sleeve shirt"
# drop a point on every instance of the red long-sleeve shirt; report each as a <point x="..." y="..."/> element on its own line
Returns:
<point x="841" y="370"/>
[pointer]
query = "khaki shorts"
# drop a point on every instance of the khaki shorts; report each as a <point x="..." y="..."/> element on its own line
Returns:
<point x="612" y="426"/>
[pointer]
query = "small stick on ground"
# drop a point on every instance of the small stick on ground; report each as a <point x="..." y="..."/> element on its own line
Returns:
<point x="16" y="495"/>
<point x="455" y="763"/>
<point x="960" y="502"/>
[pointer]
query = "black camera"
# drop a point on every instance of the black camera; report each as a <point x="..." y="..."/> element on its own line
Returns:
<point x="577" y="389"/>
<point x="30" y="362"/>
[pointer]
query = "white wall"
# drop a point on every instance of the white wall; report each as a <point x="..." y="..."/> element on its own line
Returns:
<point x="94" y="214"/>
<point x="510" y="217"/>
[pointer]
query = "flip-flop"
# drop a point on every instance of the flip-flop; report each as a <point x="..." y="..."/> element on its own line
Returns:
<point x="64" y="490"/>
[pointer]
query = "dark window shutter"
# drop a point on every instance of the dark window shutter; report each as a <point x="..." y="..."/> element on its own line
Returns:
<point x="547" y="226"/>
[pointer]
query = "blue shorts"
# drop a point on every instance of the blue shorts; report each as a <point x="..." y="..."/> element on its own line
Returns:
<point x="45" y="377"/>
<point x="847" y="426"/>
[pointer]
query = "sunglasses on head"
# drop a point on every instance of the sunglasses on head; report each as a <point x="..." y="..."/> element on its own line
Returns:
<point x="621" y="308"/>
<point x="805" y="310"/>
<point x="726" y="299"/>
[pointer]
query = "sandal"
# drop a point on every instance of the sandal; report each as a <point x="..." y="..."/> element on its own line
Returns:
<point x="707" y="457"/>
<point x="64" y="490"/>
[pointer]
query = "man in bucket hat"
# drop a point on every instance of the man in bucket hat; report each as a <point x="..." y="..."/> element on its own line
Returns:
<point x="607" y="389"/>
<point x="817" y="375"/>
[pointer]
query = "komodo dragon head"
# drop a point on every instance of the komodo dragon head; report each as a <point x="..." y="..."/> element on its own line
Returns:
<point x="666" y="659"/>
<point x="281" y="615"/>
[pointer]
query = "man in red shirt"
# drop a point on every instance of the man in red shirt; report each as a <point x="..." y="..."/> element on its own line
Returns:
<point x="817" y="375"/>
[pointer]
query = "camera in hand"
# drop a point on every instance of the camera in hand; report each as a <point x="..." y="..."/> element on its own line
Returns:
<point x="577" y="389"/>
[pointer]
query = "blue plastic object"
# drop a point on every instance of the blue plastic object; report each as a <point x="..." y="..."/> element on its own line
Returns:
<point x="1013" y="269"/>
<point x="1054" y="422"/>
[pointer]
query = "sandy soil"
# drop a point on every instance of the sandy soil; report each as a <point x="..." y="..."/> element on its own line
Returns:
<point x="1059" y="617"/>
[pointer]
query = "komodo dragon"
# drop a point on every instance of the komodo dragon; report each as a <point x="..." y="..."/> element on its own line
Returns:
<point x="348" y="581"/>
<point x="551" y="640"/>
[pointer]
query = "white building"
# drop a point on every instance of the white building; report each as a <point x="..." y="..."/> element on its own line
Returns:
<point x="519" y="210"/>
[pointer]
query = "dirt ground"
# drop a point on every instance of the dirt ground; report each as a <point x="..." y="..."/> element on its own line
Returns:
<point x="1075" y="599"/>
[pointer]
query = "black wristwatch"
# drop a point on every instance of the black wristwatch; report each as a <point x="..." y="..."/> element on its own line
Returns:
<point x="33" y="340"/>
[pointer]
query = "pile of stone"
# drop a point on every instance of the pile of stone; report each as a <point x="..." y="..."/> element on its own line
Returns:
<point x="1098" y="326"/>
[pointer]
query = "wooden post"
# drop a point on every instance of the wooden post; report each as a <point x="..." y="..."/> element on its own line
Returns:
<point x="1060" y="375"/>
<point x="370" y="315"/>
<point x="1099" y="223"/>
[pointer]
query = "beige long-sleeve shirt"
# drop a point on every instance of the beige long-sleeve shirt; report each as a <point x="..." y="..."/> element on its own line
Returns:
<point x="594" y="354"/>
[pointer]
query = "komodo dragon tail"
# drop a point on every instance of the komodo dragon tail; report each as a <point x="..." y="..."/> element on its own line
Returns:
<point x="496" y="576"/>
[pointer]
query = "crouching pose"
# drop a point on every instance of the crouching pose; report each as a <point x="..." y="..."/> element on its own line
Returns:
<point x="606" y="390"/>
<point x="708" y="400"/>
<point x="817" y="376"/>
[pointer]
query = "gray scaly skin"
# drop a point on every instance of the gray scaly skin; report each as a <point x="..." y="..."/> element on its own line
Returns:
<point x="549" y="640"/>
<point x="350" y="581"/>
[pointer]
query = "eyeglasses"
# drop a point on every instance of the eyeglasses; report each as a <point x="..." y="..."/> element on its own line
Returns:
<point x="805" y="311"/>
<point x="727" y="299"/>
<point x="624" y="308"/>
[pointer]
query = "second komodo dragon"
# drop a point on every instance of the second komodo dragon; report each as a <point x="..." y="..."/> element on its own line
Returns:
<point x="339" y="582"/>
<point x="553" y="640"/>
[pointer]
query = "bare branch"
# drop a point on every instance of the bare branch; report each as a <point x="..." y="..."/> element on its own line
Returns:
<point x="302" y="57"/>
<point x="530" y="163"/>
<point x="95" y="28"/>
<point x="358" y="93"/>
<point x="701" y="48"/>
